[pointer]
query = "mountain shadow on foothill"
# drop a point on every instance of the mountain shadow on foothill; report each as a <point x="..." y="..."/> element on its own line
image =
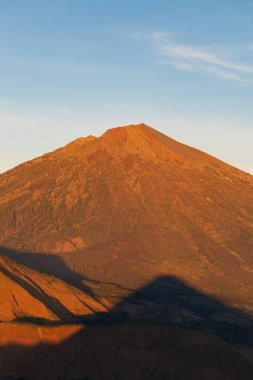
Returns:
<point x="169" y="299"/>
<point x="164" y="330"/>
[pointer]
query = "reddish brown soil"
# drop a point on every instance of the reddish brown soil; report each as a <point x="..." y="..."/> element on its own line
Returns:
<point x="130" y="209"/>
<point x="25" y="293"/>
<point x="130" y="206"/>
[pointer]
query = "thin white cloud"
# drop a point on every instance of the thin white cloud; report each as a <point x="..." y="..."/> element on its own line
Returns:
<point x="222" y="62"/>
<point x="207" y="69"/>
<point x="202" y="56"/>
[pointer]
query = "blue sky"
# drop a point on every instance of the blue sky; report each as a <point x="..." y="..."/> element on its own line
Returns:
<point x="69" y="68"/>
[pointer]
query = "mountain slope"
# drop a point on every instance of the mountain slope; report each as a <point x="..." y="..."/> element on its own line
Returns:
<point x="25" y="293"/>
<point x="130" y="206"/>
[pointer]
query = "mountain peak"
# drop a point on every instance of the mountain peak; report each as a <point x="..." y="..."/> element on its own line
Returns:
<point x="131" y="130"/>
<point x="135" y="134"/>
<point x="147" y="141"/>
<point x="138" y="139"/>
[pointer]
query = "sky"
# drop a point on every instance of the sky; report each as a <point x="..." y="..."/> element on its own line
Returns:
<point x="71" y="68"/>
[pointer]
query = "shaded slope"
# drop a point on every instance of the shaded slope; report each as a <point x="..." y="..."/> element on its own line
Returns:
<point x="131" y="205"/>
<point x="135" y="351"/>
<point x="28" y="293"/>
<point x="169" y="299"/>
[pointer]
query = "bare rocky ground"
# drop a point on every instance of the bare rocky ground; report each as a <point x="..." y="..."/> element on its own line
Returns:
<point x="143" y="245"/>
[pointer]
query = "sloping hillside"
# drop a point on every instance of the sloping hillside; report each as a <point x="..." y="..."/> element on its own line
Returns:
<point x="130" y="206"/>
<point x="25" y="293"/>
<point x="126" y="351"/>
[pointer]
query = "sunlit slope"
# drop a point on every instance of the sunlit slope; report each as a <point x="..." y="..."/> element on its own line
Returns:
<point x="132" y="205"/>
<point x="25" y="293"/>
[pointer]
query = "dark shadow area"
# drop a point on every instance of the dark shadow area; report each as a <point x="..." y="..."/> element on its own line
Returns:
<point x="40" y="321"/>
<point x="169" y="299"/>
<point x="165" y="330"/>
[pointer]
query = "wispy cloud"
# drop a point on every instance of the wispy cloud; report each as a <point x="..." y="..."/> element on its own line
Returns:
<point x="224" y="61"/>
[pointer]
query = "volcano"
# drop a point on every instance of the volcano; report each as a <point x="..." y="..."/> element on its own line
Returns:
<point x="128" y="207"/>
<point x="129" y="241"/>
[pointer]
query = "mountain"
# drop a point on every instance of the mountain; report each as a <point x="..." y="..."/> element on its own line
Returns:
<point x="128" y="207"/>
<point x="26" y="294"/>
<point x="126" y="256"/>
